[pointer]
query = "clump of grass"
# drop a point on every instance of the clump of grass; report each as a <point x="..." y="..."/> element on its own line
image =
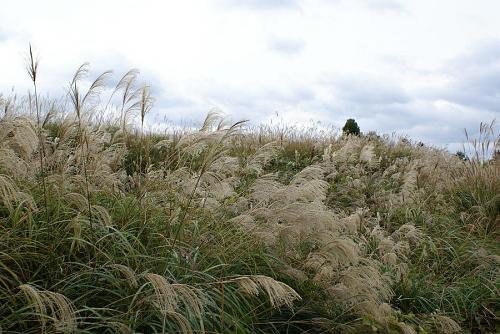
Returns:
<point x="476" y="188"/>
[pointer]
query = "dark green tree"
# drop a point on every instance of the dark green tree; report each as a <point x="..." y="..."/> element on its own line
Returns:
<point x="461" y="155"/>
<point x="351" y="127"/>
<point x="496" y="155"/>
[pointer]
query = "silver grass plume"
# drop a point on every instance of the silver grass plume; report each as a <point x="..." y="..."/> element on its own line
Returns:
<point x="278" y="292"/>
<point x="53" y="306"/>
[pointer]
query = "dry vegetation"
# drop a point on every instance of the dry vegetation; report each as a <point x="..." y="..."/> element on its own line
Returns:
<point x="105" y="228"/>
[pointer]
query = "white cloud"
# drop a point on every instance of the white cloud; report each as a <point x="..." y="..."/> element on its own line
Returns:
<point x="261" y="4"/>
<point x="412" y="67"/>
<point x="385" y="5"/>
<point x="287" y="46"/>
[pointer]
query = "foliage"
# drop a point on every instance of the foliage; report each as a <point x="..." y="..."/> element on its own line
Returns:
<point x="461" y="155"/>
<point x="108" y="228"/>
<point x="351" y="127"/>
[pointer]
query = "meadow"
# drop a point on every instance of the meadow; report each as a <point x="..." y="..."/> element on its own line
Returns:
<point x="106" y="227"/>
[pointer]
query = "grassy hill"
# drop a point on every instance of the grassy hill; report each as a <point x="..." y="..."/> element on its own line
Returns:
<point x="229" y="229"/>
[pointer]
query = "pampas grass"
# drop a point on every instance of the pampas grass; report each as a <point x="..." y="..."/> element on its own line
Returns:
<point x="229" y="228"/>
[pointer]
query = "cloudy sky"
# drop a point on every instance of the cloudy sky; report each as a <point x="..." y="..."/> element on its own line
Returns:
<point x="423" y="68"/>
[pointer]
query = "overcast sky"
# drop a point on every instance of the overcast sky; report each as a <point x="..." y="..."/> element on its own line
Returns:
<point x="424" y="68"/>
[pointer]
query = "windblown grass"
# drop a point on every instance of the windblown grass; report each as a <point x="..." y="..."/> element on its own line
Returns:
<point x="106" y="228"/>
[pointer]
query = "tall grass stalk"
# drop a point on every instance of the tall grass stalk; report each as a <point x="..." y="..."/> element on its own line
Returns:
<point x="210" y="157"/>
<point x="146" y="103"/>
<point x="80" y="102"/>
<point x="32" y="69"/>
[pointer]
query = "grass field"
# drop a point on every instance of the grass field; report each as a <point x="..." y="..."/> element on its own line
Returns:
<point x="107" y="228"/>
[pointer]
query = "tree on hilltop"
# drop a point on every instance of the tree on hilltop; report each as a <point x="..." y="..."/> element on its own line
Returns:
<point x="351" y="127"/>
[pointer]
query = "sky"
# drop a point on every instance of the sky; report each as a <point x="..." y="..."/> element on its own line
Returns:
<point x="422" y="68"/>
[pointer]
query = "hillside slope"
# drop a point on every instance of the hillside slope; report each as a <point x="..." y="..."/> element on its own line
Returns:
<point x="229" y="229"/>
